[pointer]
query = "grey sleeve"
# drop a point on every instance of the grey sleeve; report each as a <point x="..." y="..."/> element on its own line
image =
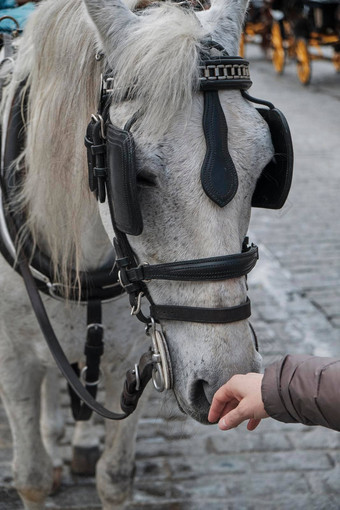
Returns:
<point x="303" y="389"/>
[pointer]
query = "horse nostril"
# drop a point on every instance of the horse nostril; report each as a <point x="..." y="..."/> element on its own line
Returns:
<point x="200" y="392"/>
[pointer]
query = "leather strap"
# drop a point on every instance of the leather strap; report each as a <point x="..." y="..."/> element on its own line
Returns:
<point x="56" y="349"/>
<point x="209" y="269"/>
<point x="203" y="315"/>
<point x="129" y="398"/>
<point x="133" y="389"/>
<point x="94" y="349"/>
<point x="218" y="173"/>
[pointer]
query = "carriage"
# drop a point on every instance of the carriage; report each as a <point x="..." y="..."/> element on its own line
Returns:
<point x="306" y="30"/>
<point x="317" y="36"/>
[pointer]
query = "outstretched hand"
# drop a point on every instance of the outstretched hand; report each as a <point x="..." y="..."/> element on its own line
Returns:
<point x="238" y="400"/>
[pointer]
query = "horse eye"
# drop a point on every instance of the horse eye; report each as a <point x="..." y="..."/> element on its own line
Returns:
<point x="146" y="179"/>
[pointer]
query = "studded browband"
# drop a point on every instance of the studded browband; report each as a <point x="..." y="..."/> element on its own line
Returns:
<point x="223" y="73"/>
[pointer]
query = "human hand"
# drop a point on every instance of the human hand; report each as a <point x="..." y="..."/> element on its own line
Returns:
<point x="238" y="400"/>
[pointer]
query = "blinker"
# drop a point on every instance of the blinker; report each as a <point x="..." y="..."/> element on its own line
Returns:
<point x="118" y="172"/>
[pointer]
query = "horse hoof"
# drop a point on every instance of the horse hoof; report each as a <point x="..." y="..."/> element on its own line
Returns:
<point x="84" y="460"/>
<point x="57" y="472"/>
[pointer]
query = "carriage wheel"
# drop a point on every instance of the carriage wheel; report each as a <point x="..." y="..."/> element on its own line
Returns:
<point x="278" y="57"/>
<point x="303" y="61"/>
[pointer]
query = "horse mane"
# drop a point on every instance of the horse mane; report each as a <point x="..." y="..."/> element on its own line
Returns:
<point x="56" y="58"/>
<point x="158" y="64"/>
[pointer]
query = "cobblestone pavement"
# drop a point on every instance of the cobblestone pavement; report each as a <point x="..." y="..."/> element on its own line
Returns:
<point x="182" y="465"/>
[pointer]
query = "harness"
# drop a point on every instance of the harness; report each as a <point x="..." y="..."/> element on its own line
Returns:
<point x="113" y="177"/>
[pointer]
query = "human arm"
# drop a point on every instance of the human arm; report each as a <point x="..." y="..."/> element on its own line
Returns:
<point x="298" y="388"/>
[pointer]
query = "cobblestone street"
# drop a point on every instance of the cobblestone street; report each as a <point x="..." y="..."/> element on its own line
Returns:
<point x="295" y="293"/>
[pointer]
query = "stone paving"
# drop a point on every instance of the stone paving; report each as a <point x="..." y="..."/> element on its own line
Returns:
<point x="182" y="465"/>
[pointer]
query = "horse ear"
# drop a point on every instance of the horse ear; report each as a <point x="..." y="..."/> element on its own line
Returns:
<point x="224" y="22"/>
<point x="112" y="19"/>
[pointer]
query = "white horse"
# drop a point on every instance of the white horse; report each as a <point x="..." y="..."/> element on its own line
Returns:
<point x="159" y="50"/>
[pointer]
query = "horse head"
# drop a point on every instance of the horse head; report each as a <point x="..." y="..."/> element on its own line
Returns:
<point x="154" y="58"/>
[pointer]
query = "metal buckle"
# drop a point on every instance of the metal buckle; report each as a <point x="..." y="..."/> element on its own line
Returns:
<point x="94" y="383"/>
<point x="96" y="325"/>
<point x="107" y="84"/>
<point x="99" y="118"/>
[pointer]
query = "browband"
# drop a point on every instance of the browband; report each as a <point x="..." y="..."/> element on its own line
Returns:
<point x="224" y="72"/>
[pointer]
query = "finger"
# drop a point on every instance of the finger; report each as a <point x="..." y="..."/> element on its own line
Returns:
<point x="221" y="398"/>
<point x="233" y="419"/>
<point x="229" y="407"/>
<point x="252" y="424"/>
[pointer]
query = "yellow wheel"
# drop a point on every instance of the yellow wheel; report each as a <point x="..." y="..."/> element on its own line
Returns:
<point x="278" y="56"/>
<point x="303" y="61"/>
<point x="242" y="43"/>
<point x="336" y="61"/>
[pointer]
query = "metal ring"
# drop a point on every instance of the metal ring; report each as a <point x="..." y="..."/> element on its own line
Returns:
<point x="94" y="383"/>
<point x="99" y="55"/>
<point x="12" y="19"/>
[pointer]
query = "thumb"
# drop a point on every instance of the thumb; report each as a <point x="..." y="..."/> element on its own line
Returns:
<point x="233" y="418"/>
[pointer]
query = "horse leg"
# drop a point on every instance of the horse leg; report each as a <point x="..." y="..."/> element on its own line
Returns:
<point x="115" y="469"/>
<point x="52" y="422"/>
<point x="85" y="448"/>
<point x="20" y="383"/>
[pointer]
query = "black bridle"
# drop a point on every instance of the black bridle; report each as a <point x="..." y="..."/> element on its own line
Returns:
<point x="233" y="74"/>
<point x="133" y="276"/>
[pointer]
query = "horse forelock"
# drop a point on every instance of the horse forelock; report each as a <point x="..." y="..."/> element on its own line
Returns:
<point x="157" y="64"/>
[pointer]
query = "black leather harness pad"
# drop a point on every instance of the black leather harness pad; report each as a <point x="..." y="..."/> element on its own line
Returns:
<point x="218" y="173"/>
<point x="274" y="183"/>
<point x="122" y="181"/>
